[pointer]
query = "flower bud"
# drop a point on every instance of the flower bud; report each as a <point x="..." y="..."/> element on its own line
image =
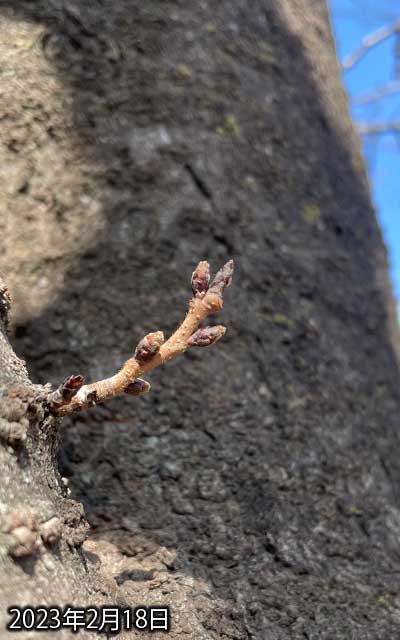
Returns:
<point x="206" y="336"/>
<point x="137" y="388"/>
<point x="149" y="346"/>
<point x="201" y="279"/>
<point x="71" y="386"/>
<point x="223" y="278"/>
<point x="66" y="391"/>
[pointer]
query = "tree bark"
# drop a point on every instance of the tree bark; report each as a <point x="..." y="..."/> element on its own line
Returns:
<point x="255" y="489"/>
<point x="41" y="528"/>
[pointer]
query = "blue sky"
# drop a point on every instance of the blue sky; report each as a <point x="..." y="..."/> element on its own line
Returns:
<point x="353" y="20"/>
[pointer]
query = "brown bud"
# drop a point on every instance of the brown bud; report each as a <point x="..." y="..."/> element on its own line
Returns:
<point x="66" y="391"/>
<point x="201" y="279"/>
<point x="138" y="387"/>
<point x="205" y="337"/>
<point x="71" y="386"/>
<point x="149" y="346"/>
<point x="223" y="278"/>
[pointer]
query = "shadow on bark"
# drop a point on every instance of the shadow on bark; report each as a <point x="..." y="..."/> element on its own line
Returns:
<point x="270" y="463"/>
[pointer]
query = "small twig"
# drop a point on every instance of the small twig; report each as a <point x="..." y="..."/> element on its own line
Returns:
<point x="373" y="96"/>
<point x="368" y="43"/>
<point x="377" y="128"/>
<point x="152" y="351"/>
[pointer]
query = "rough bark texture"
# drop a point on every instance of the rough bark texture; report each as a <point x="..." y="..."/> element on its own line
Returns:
<point x="256" y="488"/>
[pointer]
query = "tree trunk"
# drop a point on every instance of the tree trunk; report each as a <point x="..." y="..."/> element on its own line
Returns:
<point x="255" y="489"/>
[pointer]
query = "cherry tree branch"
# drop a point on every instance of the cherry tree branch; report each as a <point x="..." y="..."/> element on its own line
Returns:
<point x="151" y="352"/>
<point x="368" y="43"/>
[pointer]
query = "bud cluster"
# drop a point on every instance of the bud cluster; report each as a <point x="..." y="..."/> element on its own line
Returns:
<point x="149" y="352"/>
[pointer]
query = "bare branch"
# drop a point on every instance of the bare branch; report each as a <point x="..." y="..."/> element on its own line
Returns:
<point x="373" y="96"/>
<point x="377" y="128"/>
<point x="152" y="351"/>
<point x="368" y="43"/>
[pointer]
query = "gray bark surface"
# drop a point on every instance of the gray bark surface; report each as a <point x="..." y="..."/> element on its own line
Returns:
<point x="256" y="488"/>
